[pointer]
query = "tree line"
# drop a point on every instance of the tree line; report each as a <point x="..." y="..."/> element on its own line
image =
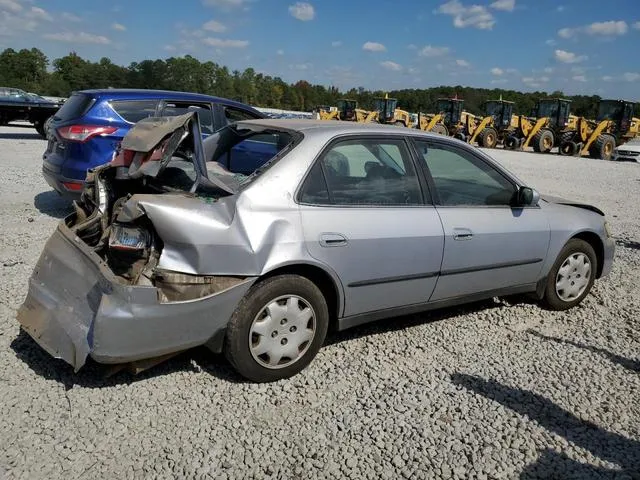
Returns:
<point x="31" y="70"/>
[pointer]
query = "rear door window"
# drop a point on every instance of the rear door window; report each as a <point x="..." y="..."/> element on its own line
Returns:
<point x="135" y="110"/>
<point x="173" y="109"/>
<point x="75" y="107"/>
<point x="236" y="114"/>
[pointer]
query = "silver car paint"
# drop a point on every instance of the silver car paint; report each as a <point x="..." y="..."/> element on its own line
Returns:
<point x="261" y="229"/>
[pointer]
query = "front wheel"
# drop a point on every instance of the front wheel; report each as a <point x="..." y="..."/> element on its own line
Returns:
<point x="277" y="328"/>
<point x="572" y="276"/>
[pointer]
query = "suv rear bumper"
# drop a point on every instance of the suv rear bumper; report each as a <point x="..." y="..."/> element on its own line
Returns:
<point x="57" y="181"/>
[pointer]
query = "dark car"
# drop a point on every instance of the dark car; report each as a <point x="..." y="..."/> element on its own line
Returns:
<point x="87" y="130"/>
<point x="16" y="104"/>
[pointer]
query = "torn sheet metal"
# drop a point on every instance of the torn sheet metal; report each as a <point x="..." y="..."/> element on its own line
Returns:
<point x="76" y="307"/>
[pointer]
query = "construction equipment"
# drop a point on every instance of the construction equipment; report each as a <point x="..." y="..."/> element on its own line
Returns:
<point x="614" y="125"/>
<point x="496" y="125"/>
<point x="451" y="119"/>
<point x="389" y="113"/>
<point x="347" y="110"/>
<point x="553" y="123"/>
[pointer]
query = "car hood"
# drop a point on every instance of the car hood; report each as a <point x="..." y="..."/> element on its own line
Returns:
<point x="571" y="203"/>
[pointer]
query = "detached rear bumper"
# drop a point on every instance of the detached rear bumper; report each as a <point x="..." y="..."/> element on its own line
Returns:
<point x="76" y="307"/>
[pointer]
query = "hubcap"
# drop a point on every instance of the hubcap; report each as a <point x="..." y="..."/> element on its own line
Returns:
<point x="546" y="142"/>
<point x="573" y="277"/>
<point x="282" y="332"/>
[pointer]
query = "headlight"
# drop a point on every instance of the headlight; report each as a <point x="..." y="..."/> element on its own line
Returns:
<point x="128" y="238"/>
<point x="607" y="229"/>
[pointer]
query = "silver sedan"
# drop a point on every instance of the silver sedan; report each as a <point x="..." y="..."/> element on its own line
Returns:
<point x="269" y="233"/>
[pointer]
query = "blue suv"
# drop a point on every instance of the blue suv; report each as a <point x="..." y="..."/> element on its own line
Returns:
<point x="86" y="131"/>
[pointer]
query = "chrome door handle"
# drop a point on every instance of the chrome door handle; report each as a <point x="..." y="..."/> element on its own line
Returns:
<point x="462" y="234"/>
<point x="332" y="240"/>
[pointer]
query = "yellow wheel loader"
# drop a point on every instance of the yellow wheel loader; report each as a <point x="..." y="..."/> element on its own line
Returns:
<point x="554" y="122"/>
<point x="389" y="113"/>
<point x="451" y="119"/>
<point x="497" y="124"/>
<point x="348" y="111"/>
<point x="614" y="126"/>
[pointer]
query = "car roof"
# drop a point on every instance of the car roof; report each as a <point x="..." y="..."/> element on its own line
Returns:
<point x="141" y="93"/>
<point x="336" y="127"/>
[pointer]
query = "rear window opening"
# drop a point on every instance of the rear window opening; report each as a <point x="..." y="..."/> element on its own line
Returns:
<point x="135" y="110"/>
<point x="75" y="107"/>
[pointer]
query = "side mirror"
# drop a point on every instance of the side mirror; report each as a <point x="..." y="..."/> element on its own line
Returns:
<point x="528" y="197"/>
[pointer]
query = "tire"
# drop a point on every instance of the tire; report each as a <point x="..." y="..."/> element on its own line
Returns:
<point x="511" y="142"/>
<point x="569" y="281"/>
<point x="40" y="129"/>
<point x="440" y="129"/>
<point x="245" y="329"/>
<point x="543" y="141"/>
<point x="604" y="146"/>
<point x="460" y="136"/>
<point x="398" y="123"/>
<point x="488" y="138"/>
<point x="568" y="148"/>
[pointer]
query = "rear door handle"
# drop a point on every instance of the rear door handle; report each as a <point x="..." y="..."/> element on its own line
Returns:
<point x="332" y="240"/>
<point x="462" y="234"/>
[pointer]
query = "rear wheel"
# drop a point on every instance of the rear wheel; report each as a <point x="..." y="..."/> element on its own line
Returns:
<point x="604" y="146"/>
<point x="277" y="329"/>
<point x="543" y="141"/>
<point x="440" y="129"/>
<point x="572" y="276"/>
<point x="488" y="138"/>
<point x="511" y="142"/>
<point x="568" y="148"/>
<point x="398" y="123"/>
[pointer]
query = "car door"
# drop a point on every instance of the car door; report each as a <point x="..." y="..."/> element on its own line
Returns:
<point x="366" y="214"/>
<point x="489" y="244"/>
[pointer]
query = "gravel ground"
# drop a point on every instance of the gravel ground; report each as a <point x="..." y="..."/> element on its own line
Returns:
<point x="499" y="389"/>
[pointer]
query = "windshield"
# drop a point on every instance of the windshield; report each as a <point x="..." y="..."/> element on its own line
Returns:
<point x="547" y="109"/>
<point x="610" y="111"/>
<point x="238" y="153"/>
<point x="493" y="109"/>
<point x="443" y="106"/>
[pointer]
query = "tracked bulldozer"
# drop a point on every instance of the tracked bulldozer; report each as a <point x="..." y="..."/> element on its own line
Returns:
<point x="614" y="125"/>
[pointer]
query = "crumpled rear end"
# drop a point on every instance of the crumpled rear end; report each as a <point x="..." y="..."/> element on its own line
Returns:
<point x="63" y="299"/>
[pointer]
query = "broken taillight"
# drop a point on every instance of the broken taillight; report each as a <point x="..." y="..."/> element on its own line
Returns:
<point x="83" y="133"/>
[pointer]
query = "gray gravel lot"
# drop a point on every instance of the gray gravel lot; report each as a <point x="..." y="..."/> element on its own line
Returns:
<point x="499" y="389"/>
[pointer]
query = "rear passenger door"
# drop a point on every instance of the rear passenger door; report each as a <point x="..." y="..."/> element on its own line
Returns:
<point x="169" y="108"/>
<point x="367" y="215"/>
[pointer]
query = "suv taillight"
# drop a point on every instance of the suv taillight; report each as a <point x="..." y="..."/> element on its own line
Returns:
<point x="83" y="133"/>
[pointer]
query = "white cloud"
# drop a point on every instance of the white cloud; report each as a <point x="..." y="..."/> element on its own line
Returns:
<point x="301" y="66"/>
<point x="224" y="4"/>
<point x="11" y="6"/>
<point x="302" y="11"/>
<point x="431" y="51"/>
<point x="389" y="65"/>
<point x="222" y="43"/>
<point x="497" y="71"/>
<point x="568" y="57"/>
<point x="374" y="47"/>
<point x="636" y="25"/>
<point x="119" y="27"/>
<point x="412" y="46"/>
<point x="631" y="77"/>
<point x="169" y="48"/>
<point x="548" y="70"/>
<point x="280" y="52"/>
<point x="476" y="16"/>
<point x="336" y="43"/>
<point x="607" y="78"/>
<point x="579" y="78"/>
<point x="505" y="5"/>
<point x="512" y="71"/>
<point x="214" y="26"/>
<point x="498" y="81"/>
<point x="77" y="37"/>
<point x="70" y="17"/>
<point x="462" y="63"/>
<point x="550" y="42"/>
<point x="611" y="28"/>
<point x="560" y="8"/>
<point x="37" y="13"/>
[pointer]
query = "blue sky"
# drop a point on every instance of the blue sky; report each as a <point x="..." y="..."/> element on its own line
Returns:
<point x="578" y="46"/>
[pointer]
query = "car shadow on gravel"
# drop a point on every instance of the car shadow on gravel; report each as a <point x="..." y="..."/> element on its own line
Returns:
<point x="407" y="321"/>
<point x="628" y="363"/>
<point x="94" y="375"/>
<point x="20" y="136"/>
<point x="608" y="446"/>
<point x="52" y="204"/>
